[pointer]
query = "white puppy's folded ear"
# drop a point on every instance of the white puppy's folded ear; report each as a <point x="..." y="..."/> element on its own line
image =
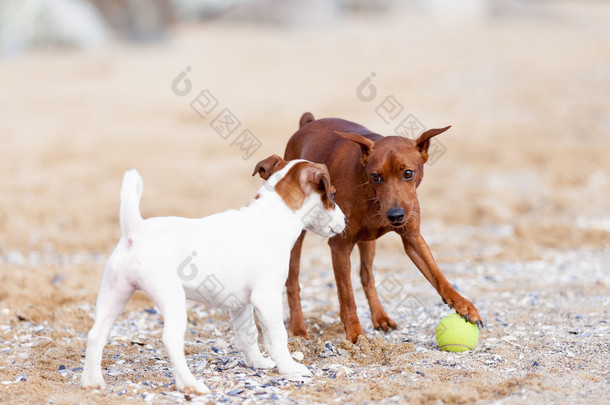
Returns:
<point x="265" y="168"/>
<point x="315" y="177"/>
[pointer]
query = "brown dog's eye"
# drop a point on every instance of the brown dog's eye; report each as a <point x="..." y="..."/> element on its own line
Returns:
<point x="376" y="178"/>
<point x="408" y="175"/>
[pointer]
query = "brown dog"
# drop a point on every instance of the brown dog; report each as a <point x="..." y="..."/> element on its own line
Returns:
<point x="376" y="179"/>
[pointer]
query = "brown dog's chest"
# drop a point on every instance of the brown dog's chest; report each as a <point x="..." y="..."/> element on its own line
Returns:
<point x="367" y="234"/>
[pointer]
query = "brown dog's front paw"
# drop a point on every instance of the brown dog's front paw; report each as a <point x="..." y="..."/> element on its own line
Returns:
<point x="383" y="322"/>
<point x="467" y="310"/>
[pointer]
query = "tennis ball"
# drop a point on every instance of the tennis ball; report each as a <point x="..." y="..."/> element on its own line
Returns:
<point x="454" y="334"/>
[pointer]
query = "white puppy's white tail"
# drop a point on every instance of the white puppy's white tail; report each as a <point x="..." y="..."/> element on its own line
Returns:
<point x="131" y="192"/>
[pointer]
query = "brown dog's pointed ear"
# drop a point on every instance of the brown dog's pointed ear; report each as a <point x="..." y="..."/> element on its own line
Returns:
<point x="306" y="118"/>
<point x="265" y="168"/>
<point x="365" y="144"/>
<point x="423" y="142"/>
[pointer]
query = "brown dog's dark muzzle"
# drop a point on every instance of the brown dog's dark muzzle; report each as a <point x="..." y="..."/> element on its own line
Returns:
<point x="395" y="215"/>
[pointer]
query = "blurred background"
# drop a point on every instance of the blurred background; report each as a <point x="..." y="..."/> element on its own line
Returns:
<point x="92" y="88"/>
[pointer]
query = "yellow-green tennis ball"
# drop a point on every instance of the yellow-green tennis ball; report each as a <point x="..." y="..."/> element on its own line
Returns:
<point x="454" y="334"/>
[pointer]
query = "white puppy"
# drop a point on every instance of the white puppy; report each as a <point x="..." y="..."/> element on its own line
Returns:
<point x="237" y="260"/>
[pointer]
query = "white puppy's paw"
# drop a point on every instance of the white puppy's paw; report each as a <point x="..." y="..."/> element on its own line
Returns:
<point x="263" y="362"/>
<point x="92" y="380"/>
<point x="296" y="371"/>
<point x="199" y="388"/>
<point x="193" y="387"/>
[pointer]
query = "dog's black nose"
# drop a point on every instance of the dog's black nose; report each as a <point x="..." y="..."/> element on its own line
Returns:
<point x="395" y="215"/>
<point x="345" y="218"/>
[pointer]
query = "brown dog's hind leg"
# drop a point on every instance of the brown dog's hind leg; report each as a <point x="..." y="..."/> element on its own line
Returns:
<point x="297" y="323"/>
<point x="381" y="320"/>
<point x="342" y="268"/>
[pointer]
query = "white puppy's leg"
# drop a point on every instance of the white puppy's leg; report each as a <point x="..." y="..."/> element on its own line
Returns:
<point x="246" y="336"/>
<point x="172" y="303"/>
<point x="114" y="294"/>
<point x="269" y="312"/>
